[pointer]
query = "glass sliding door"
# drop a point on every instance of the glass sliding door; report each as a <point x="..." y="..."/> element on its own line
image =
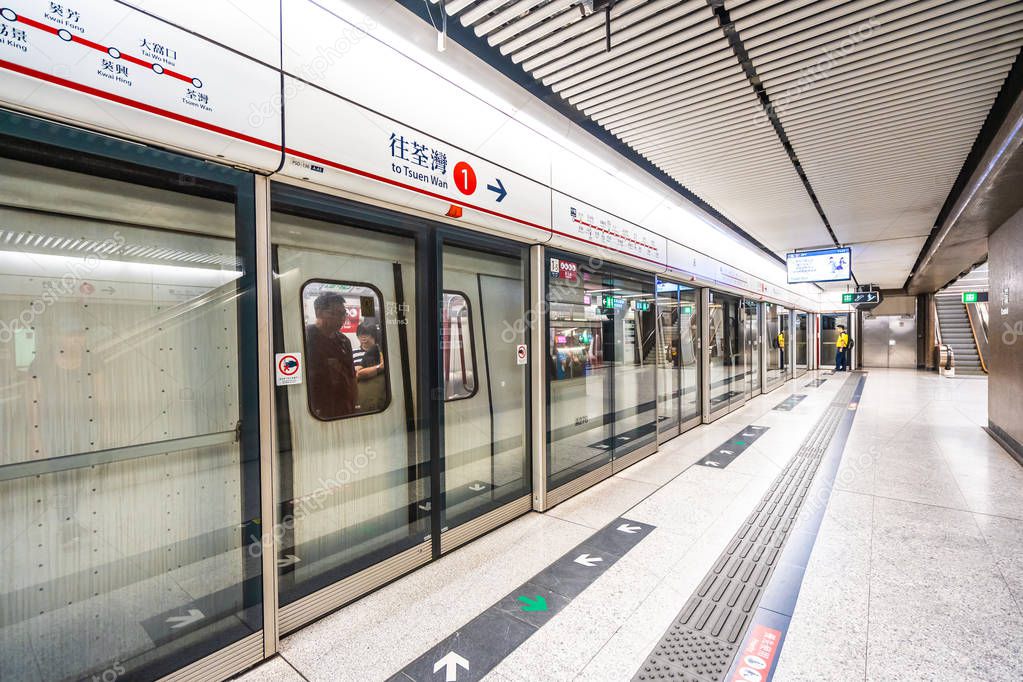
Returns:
<point x="690" y="360"/>
<point x="801" y="332"/>
<point x="353" y="466"/>
<point x="602" y="368"/>
<point x="774" y="353"/>
<point x="580" y="356"/>
<point x="751" y="332"/>
<point x="669" y="360"/>
<point x="678" y="358"/>
<point x="486" y="420"/>
<point x="129" y="466"/>
<point x="726" y="356"/>
<point x="830" y="322"/>
<point x="784" y="341"/>
<point x="635" y="398"/>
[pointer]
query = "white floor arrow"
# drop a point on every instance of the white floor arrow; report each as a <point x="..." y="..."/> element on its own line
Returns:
<point x="451" y="661"/>
<point x="626" y="528"/>
<point x="587" y="560"/>
<point x="477" y="487"/>
<point x="194" y="616"/>
<point x="711" y="463"/>
<point x="726" y="452"/>
<point x="288" y="560"/>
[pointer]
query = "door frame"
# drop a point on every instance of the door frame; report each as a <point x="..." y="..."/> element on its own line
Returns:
<point x="297" y="198"/>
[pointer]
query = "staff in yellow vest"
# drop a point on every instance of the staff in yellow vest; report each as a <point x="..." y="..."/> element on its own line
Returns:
<point x="842" y="350"/>
<point x="781" y="348"/>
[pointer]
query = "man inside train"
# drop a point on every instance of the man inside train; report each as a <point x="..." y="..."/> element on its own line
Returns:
<point x="330" y="366"/>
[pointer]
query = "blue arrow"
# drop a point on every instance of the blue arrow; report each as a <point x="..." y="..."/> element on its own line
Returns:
<point x="500" y="191"/>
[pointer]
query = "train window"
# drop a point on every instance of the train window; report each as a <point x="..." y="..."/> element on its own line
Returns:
<point x="459" y="350"/>
<point x="346" y="372"/>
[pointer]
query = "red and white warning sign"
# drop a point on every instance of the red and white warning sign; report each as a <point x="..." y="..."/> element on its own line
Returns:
<point x="521" y="354"/>
<point x="289" y="369"/>
<point x="757" y="657"/>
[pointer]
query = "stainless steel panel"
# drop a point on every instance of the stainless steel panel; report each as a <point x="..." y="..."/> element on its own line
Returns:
<point x="902" y="342"/>
<point x="875" y="335"/>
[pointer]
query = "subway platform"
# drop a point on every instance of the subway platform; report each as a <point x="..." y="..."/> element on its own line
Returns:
<point x="904" y="560"/>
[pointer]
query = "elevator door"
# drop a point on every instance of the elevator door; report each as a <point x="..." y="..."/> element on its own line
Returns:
<point x="889" y="341"/>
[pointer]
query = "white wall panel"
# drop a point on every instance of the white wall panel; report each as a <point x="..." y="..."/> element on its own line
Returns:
<point x="252" y="27"/>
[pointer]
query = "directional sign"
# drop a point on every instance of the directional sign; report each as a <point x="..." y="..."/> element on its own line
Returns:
<point x="450" y="664"/>
<point x="858" y="297"/>
<point x="382" y="158"/>
<point x="726" y="453"/>
<point x="499" y="190"/>
<point x="626" y="528"/>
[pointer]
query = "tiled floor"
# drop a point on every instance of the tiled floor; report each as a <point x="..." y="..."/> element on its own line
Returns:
<point x="917" y="573"/>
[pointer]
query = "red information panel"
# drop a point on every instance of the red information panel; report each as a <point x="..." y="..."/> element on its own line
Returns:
<point x="757" y="659"/>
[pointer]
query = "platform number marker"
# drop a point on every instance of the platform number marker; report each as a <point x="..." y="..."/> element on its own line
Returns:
<point x="450" y="664"/>
<point x="465" y="178"/>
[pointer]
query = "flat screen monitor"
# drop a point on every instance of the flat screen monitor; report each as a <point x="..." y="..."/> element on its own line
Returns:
<point x="826" y="265"/>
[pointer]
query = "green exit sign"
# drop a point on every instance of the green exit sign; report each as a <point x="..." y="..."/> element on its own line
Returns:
<point x="687" y="310"/>
<point x="970" y="297"/>
<point x="848" y="298"/>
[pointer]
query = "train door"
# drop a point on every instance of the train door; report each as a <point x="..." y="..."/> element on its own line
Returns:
<point x="486" y="455"/>
<point x="400" y="404"/>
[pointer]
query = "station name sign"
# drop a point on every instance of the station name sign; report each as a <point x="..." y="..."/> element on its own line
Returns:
<point x="827" y="265"/>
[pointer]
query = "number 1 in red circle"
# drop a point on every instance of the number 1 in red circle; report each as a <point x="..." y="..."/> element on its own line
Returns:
<point x="465" y="178"/>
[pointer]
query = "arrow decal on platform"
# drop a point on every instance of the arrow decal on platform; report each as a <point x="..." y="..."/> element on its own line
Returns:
<point x="450" y="664"/>
<point x="536" y="604"/>
<point x="587" y="560"/>
<point x="194" y="616"/>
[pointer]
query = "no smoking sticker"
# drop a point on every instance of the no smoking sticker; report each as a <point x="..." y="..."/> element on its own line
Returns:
<point x="521" y="354"/>
<point x="289" y="369"/>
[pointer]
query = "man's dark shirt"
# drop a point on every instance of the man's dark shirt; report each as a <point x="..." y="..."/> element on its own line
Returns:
<point x="330" y="372"/>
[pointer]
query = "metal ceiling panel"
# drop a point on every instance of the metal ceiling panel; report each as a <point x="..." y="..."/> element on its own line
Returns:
<point x="877" y="102"/>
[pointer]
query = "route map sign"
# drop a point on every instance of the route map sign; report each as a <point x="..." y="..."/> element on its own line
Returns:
<point x="141" y="75"/>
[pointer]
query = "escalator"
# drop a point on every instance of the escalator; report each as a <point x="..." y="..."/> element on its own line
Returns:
<point x="957" y="333"/>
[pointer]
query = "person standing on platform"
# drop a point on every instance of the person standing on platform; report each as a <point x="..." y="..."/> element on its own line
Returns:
<point x="842" y="350"/>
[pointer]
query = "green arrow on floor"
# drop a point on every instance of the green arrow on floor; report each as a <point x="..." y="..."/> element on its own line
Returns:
<point x="538" y="604"/>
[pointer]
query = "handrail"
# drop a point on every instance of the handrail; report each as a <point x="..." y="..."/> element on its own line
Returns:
<point x="41" y="467"/>
<point x="977" y="332"/>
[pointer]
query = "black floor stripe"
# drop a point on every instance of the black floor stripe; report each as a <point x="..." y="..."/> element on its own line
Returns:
<point x="725" y="454"/>
<point x="479" y="645"/>
<point x="702" y="642"/>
